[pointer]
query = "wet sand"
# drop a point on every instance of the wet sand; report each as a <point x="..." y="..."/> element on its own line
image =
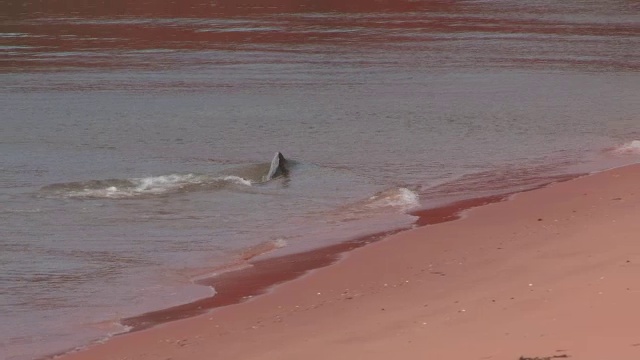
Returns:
<point x="551" y="273"/>
<point x="239" y="281"/>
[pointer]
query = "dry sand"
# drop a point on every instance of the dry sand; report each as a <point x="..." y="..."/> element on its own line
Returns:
<point x="551" y="273"/>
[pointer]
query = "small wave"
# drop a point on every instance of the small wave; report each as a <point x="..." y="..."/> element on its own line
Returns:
<point x="13" y="35"/>
<point x="262" y="248"/>
<point x="153" y="185"/>
<point x="20" y="211"/>
<point x="111" y="328"/>
<point x="397" y="200"/>
<point x="242" y="260"/>
<point x="630" y="148"/>
<point x="400" y="197"/>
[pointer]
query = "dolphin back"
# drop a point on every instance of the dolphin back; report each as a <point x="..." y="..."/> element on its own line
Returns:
<point x="278" y="167"/>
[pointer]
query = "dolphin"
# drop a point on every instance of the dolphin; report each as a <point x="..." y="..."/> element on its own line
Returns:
<point x="278" y="167"/>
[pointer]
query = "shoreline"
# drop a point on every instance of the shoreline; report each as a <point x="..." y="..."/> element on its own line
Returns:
<point x="259" y="276"/>
<point x="233" y="313"/>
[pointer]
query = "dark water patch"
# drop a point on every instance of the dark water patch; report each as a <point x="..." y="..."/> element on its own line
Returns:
<point x="153" y="36"/>
<point x="197" y="8"/>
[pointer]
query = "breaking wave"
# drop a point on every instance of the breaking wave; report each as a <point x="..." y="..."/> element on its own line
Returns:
<point x="135" y="187"/>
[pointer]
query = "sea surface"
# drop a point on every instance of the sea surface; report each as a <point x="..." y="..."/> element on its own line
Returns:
<point x="135" y="136"/>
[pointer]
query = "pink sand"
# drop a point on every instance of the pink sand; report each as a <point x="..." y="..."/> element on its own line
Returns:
<point x="552" y="272"/>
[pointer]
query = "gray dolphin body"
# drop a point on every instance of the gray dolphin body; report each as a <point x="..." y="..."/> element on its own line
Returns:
<point x="278" y="167"/>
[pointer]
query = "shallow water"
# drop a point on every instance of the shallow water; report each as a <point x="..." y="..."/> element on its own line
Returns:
<point x="135" y="134"/>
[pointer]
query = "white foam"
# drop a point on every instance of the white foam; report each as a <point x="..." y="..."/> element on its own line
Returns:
<point x="632" y="148"/>
<point x="160" y="184"/>
<point x="279" y="243"/>
<point x="401" y="197"/>
<point x="154" y="185"/>
<point x="21" y="211"/>
<point x="13" y="35"/>
<point x="118" y="329"/>
<point x="163" y="183"/>
<point x="237" y="180"/>
<point x="110" y="192"/>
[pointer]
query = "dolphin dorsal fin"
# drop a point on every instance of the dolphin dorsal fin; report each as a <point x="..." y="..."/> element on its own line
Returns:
<point x="278" y="167"/>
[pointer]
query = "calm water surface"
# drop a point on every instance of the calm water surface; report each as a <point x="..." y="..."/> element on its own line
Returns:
<point x="135" y="134"/>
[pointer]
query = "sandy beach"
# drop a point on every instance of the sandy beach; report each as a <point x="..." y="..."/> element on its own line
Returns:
<point x="550" y="273"/>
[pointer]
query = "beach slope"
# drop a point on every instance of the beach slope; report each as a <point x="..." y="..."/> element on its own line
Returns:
<point x="550" y="273"/>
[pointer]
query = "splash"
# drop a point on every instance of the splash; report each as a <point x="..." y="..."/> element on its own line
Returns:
<point x="237" y="180"/>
